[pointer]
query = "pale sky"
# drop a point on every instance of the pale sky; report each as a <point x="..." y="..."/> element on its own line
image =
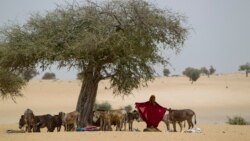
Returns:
<point x="219" y="35"/>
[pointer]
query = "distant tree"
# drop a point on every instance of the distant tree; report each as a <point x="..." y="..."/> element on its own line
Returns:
<point x="128" y="108"/>
<point x="246" y="68"/>
<point x="49" y="75"/>
<point x="103" y="106"/>
<point x="211" y="70"/>
<point x="204" y="71"/>
<point x="29" y="74"/>
<point x="166" y="72"/>
<point x="208" y="72"/>
<point x="192" y="73"/>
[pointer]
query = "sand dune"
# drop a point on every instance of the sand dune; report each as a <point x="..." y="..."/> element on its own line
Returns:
<point x="213" y="99"/>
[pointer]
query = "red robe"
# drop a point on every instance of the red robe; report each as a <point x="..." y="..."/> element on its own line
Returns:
<point x="152" y="114"/>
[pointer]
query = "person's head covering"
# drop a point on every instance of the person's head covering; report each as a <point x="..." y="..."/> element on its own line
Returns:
<point x="152" y="98"/>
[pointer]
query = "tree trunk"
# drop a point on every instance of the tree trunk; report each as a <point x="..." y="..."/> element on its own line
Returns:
<point x="86" y="99"/>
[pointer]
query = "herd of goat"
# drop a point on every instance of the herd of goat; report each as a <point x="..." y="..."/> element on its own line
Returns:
<point x="102" y="119"/>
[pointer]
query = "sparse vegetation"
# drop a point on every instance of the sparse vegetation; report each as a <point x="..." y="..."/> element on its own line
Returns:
<point x="192" y="73"/>
<point x="166" y="72"/>
<point x="246" y="68"/>
<point x="49" y="76"/>
<point x="207" y="72"/>
<point x="237" y="120"/>
<point x="103" y="106"/>
<point x="128" y="108"/>
<point x="211" y="70"/>
<point x="29" y="74"/>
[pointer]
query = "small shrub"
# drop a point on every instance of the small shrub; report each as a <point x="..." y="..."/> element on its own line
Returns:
<point x="237" y="120"/>
<point x="166" y="72"/>
<point x="103" y="106"/>
<point x="128" y="108"/>
<point x="49" y="76"/>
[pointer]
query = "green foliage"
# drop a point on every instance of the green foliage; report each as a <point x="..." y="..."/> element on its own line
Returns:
<point x="204" y="71"/>
<point x="237" y="120"/>
<point x="48" y="76"/>
<point x="209" y="71"/>
<point x="166" y="72"/>
<point x="10" y="84"/>
<point x="192" y="73"/>
<point x="112" y="39"/>
<point x="103" y="106"/>
<point x="29" y="74"/>
<point x="212" y="70"/>
<point x="116" y="40"/>
<point x="246" y="68"/>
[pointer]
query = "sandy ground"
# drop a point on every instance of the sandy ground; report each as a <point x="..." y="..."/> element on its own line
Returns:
<point x="213" y="99"/>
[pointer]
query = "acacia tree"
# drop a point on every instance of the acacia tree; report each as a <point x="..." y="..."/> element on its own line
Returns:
<point x="192" y="73"/>
<point x="115" y="40"/>
<point x="246" y="68"/>
<point x="209" y="71"/>
<point x="205" y="71"/>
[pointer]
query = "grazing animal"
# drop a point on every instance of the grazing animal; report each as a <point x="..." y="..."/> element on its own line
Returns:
<point x="168" y="122"/>
<point x="131" y="116"/>
<point x="30" y="120"/>
<point x="182" y="115"/>
<point x="22" y="123"/>
<point x="45" y="121"/>
<point x="41" y="121"/>
<point x="115" y="117"/>
<point x="57" y="121"/>
<point x="118" y="118"/>
<point x="104" y="120"/>
<point x="69" y="119"/>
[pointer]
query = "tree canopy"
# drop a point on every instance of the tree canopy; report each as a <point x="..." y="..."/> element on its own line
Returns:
<point x="246" y="68"/>
<point x="49" y="76"/>
<point x="192" y="73"/>
<point x="209" y="71"/>
<point x="119" y="40"/>
<point x="166" y="72"/>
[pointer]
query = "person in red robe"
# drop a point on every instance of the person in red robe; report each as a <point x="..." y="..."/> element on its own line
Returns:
<point x="151" y="112"/>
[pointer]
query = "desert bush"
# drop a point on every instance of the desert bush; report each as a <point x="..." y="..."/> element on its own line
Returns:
<point x="166" y="72"/>
<point x="205" y="71"/>
<point x="211" y="70"/>
<point x="246" y="68"/>
<point x="192" y="73"/>
<point x="128" y="108"/>
<point x="237" y="120"/>
<point x="103" y="106"/>
<point x="49" y="75"/>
